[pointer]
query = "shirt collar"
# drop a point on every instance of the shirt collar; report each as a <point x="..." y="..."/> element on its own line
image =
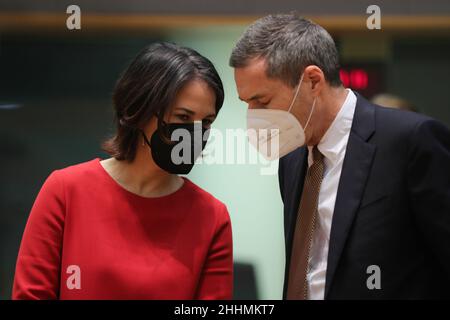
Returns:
<point x="334" y="142"/>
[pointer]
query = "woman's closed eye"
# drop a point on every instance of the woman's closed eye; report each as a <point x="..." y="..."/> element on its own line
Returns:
<point x="207" y="122"/>
<point x="184" y="117"/>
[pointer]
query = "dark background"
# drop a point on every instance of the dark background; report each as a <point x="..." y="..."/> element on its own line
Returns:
<point x="55" y="90"/>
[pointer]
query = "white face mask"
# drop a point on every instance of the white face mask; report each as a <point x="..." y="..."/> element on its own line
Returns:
<point x="274" y="132"/>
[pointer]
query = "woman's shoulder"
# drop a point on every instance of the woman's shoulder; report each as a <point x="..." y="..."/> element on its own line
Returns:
<point x="60" y="181"/>
<point x="204" y="199"/>
<point x="82" y="167"/>
<point x="81" y="171"/>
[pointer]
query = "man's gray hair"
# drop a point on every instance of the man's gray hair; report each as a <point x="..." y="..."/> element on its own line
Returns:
<point x="289" y="43"/>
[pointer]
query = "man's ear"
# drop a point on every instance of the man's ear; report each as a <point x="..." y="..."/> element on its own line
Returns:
<point x="315" y="77"/>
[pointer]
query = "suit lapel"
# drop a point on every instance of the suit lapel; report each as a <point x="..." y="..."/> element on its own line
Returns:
<point x="298" y="175"/>
<point x="355" y="171"/>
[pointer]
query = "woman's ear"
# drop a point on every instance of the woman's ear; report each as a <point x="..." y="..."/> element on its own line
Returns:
<point x="150" y="127"/>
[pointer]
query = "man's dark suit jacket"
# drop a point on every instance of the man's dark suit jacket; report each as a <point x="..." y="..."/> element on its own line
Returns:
<point x="392" y="207"/>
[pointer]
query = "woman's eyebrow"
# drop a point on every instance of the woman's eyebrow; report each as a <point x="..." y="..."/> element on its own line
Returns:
<point x="214" y="115"/>
<point x="186" y="110"/>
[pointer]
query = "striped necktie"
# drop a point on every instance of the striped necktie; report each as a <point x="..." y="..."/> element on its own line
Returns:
<point x="304" y="228"/>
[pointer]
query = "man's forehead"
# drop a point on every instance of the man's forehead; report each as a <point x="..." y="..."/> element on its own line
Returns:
<point x="251" y="80"/>
<point x="254" y="68"/>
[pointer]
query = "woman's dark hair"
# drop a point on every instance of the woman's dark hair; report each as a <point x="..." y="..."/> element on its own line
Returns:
<point x="149" y="86"/>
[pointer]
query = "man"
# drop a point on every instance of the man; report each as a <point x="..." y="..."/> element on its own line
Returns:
<point x="366" y="189"/>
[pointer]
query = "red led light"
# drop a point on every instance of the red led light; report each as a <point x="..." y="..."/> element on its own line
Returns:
<point x="359" y="79"/>
<point x="354" y="78"/>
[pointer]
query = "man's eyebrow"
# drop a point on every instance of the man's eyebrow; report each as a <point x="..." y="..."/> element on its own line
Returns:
<point x="255" y="97"/>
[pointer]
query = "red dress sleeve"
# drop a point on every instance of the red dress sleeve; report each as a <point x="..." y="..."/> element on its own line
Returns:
<point x="37" y="273"/>
<point x="216" y="282"/>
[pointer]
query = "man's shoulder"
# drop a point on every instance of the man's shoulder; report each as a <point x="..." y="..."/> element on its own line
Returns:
<point x="388" y="121"/>
<point x="406" y="127"/>
<point x="396" y="119"/>
<point x="401" y="132"/>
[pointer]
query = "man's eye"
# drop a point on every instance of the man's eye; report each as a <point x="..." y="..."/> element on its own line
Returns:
<point x="262" y="104"/>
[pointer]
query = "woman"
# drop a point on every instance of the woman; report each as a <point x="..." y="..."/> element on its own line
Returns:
<point x="129" y="227"/>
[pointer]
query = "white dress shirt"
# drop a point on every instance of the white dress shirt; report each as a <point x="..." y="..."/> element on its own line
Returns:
<point x="332" y="145"/>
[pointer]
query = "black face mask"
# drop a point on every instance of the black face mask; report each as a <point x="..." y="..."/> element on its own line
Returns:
<point x="177" y="156"/>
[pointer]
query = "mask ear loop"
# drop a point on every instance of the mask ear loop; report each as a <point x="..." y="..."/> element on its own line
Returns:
<point x="145" y="140"/>
<point x="296" y="92"/>
<point x="310" y="114"/>
<point x="295" y="97"/>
